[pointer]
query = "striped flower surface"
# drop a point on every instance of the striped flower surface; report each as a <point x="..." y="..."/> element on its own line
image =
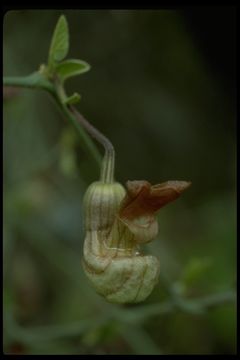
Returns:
<point x="117" y="222"/>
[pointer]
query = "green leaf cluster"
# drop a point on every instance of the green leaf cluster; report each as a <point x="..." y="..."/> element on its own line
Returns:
<point x="57" y="66"/>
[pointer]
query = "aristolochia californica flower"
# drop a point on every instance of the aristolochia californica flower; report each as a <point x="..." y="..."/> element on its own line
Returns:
<point x="117" y="222"/>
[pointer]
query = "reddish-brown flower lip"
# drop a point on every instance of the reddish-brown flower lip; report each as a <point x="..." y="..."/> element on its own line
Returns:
<point x="142" y="198"/>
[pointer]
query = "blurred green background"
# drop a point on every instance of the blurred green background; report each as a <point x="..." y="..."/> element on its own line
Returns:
<point x="162" y="88"/>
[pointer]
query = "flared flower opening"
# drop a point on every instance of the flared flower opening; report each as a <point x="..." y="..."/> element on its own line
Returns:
<point x="141" y="203"/>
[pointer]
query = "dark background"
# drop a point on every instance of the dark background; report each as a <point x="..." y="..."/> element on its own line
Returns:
<point x="162" y="88"/>
<point x="215" y="34"/>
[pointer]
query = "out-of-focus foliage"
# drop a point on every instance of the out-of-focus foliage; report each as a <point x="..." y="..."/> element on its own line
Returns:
<point x="152" y="91"/>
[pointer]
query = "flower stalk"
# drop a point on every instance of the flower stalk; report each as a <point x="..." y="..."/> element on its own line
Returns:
<point x="108" y="162"/>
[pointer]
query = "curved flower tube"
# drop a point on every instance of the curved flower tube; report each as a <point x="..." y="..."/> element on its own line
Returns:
<point x="117" y="222"/>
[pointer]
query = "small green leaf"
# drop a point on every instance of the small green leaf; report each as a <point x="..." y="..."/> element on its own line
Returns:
<point x="73" y="99"/>
<point x="71" y="67"/>
<point x="60" y="42"/>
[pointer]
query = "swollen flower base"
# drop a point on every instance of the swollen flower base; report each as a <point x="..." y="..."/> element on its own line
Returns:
<point x="117" y="222"/>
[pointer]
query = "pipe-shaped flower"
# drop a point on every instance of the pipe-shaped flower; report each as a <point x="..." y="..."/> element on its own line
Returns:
<point x="117" y="222"/>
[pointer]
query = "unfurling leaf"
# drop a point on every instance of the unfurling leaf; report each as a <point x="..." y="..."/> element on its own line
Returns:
<point x="60" y="42"/>
<point x="71" y="67"/>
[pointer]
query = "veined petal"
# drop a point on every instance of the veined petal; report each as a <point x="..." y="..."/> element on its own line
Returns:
<point x="142" y="198"/>
<point x="142" y="201"/>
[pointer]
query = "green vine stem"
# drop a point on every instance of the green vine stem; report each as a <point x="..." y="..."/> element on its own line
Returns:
<point x="33" y="81"/>
<point x="37" y="81"/>
<point x="107" y="167"/>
